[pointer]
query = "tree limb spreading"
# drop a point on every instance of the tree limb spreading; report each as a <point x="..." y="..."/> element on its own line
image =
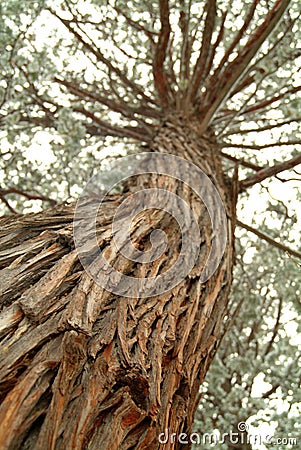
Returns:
<point x="241" y="161"/>
<point x="261" y="128"/>
<point x="160" y="78"/>
<point x="237" y="38"/>
<point x="200" y="66"/>
<point x="261" y="147"/>
<point x="122" y="108"/>
<point x="268" y="239"/>
<point x="4" y="192"/>
<point x="221" y="84"/>
<point x="268" y="102"/>
<point x="100" y="57"/>
<point x="269" y="172"/>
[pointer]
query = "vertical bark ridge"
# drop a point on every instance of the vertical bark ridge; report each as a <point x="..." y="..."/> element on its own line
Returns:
<point x="88" y="369"/>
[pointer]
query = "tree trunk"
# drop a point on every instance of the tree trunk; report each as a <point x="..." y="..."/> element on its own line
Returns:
<point x="84" y="368"/>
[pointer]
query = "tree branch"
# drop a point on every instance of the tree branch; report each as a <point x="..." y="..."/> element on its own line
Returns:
<point x="108" y="129"/>
<point x="184" y="23"/>
<point x="237" y="38"/>
<point x="276" y="43"/>
<point x="223" y="83"/>
<point x="275" y="330"/>
<point x="98" y="128"/>
<point x="216" y="44"/>
<point x="273" y="99"/>
<point x="160" y="78"/>
<point x="100" y="57"/>
<point x="242" y="108"/>
<point x="202" y="60"/>
<point x="260" y="129"/>
<point x="268" y="239"/>
<point x="269" y="172"/>
<point x="258" y="106"/>
<point x="6" y="202"/>
<point x="271" y="391"/>
<point x="4" y="192"/>
<point x="136" y="25"/>
<point x="261" y="147"/>
<point x="241" y="161"/>
<point x="124" y="109"/>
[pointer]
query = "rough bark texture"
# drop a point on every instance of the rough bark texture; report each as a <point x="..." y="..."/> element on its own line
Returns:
<point x="85" y="369"/>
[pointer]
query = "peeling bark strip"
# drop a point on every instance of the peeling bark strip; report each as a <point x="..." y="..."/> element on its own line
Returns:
<point x="81" y="368"/>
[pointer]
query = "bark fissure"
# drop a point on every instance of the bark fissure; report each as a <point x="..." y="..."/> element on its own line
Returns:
<point x="121" y="370"/>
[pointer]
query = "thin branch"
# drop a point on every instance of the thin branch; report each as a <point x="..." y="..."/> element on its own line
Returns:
<point x="142" y="134"/>
<point x="260" y="129"/>
<point x="20" y="36"/>
<point x="258" y="106"/>
<point x="298" y="264"/>
<point x="184" y="23"/>
<point x="214" y="46"/>
<point x="276" y="328"/>
<point x="194" y="31"/>
<point x="244" y="106"/>
<point x="124" y="109"/>
<point x="241" y="161"/>
<point x="98" y="128"/>
<point x="160" y="78"/>
<point x="170" y="72"/>
<point x="286" y="180"/>
<point x="200" y="65"/>
<point x="268" y="239"/>
<point x="237" y="38"/>
<point x="230" y="321"/>
<point x="248" y="79"/>
<point x="222" y="84"/>
<point x="100" y="57"/>
<point x="271" y="391"/>
<point x="261" y="147"/>
<point x="6" y="202"/>
<point x="4" y="192"/>
<point x="269" y="53"/>
<point x="272" y="100"/>
<point x="269" y="172"/>
<point x="108" y="129"/>
<point x="36" y="97"/>
<point x="137" y="25"/>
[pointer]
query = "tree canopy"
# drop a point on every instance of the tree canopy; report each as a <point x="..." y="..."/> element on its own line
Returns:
<point x="78" y="76"/>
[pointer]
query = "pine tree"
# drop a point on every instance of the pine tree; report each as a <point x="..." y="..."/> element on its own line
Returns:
<point x="84" y="365"/>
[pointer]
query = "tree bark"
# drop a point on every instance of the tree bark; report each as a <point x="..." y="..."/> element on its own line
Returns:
<point x="82" y="368"/>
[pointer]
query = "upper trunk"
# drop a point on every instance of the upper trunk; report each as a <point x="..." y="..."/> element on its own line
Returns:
<point x="86" y="368"/>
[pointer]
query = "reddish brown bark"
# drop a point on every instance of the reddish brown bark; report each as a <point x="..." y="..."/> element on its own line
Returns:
<point x="82" y="368"/>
